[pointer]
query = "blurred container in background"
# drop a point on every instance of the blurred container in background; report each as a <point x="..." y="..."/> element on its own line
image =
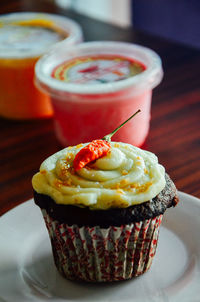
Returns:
<point x="96" y="86"/>
<point x="24" y="37"/>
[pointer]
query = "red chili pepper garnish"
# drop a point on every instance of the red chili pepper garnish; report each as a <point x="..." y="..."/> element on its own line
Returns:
<point x="97" y="148"/>
<point x="94" y="150"/>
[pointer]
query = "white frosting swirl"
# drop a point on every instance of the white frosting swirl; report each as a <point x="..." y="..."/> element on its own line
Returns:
<point x="126" y="176"/>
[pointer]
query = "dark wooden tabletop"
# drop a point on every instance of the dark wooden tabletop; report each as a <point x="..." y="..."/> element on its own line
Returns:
<point x="175" y="125"/>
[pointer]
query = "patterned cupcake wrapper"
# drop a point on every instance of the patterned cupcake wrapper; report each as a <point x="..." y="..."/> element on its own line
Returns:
<point x="100" y="255"/>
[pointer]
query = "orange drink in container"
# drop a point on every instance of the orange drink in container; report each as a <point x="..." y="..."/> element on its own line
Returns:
<point x="95" y="86"/>
<point x="24" y="37"/>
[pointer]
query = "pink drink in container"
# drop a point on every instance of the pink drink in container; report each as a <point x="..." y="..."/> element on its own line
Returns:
<point x="95" y="86"/>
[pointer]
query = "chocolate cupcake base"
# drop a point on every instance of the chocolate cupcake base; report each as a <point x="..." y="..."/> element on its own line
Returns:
<point x="103" y="246"/>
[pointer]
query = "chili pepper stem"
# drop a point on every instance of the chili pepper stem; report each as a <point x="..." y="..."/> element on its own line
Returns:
<point x="108" y="136"/>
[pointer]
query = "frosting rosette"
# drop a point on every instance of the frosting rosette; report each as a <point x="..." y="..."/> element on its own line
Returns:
<point x="126" y="176"/>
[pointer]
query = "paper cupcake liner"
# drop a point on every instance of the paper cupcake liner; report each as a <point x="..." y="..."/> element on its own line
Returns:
<point x="95" y="254"/>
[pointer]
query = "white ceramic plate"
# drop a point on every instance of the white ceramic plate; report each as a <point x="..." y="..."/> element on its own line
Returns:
<point x="27" y="271"/>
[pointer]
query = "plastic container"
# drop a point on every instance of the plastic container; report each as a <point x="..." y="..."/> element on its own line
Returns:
<point x="93" y="90"/>
<point x="24" y="37"/>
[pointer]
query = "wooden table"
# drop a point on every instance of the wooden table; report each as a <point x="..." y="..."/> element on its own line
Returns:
<point x="175" y="126"/>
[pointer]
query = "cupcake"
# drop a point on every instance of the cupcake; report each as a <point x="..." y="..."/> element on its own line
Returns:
<point x="103" y="204"/>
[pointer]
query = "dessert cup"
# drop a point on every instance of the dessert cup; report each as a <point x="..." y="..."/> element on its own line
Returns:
<point x="94" y="86"/>
<point x="24" y="38"/>
<point x="103" y="230"/>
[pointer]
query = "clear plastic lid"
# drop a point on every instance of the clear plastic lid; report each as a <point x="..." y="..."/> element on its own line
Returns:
<point x="147" y="79"/>
<point x="32" y="34"/>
